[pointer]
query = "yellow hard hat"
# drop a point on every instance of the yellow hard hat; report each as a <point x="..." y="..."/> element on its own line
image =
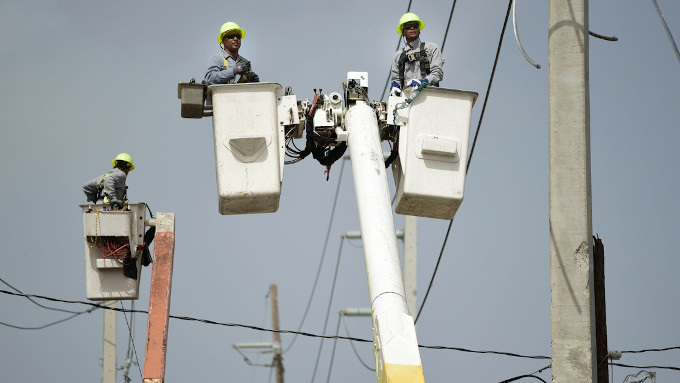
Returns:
<point x="408" y="17"/>
<point x="230" y="26"/>
<point x="123" y="157"/>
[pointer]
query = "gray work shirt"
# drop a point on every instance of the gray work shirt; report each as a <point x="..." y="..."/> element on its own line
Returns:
<point x="218" y="73"/>
<point x="113" y="186"/>
<point x="412" y="69"/>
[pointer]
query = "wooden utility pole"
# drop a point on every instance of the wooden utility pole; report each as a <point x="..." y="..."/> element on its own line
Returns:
<point x="572" y="311"/>
<point x="278" y="362"/>
<point x="159" y="299"/>
<point x="600" y="312"/>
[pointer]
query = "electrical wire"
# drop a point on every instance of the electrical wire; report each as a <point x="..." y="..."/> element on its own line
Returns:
<point x="643" y="367"/>
<point x="519" y="43"/>
<point x="36" y="303"/>
<point x="668" y="31"/>
<point x="389" y="74"/>
<point x="49" y="324"/>
<point x="446" y="34"/>
<point x="328" y="309"/>
<point x="131" y="340"/>
<point x="335" y="342"/>
<point x="323" y="255"/>
<point x="472" y="150"/>
<point x="344" y="323"/>
<point x="211" y="322"/>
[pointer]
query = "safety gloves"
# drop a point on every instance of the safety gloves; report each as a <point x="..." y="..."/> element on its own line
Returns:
<point x="241" y="67"/>
<point x="417" y="83"/>
<point x="395" y="89"/>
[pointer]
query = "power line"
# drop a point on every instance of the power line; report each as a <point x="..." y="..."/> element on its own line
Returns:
<point x="453" y="6"/>
<point x="207" y="321"/>
<point x="644" y="367"/>
<point x="256" y="328"/>
<point x="323" y="255"/>
<point x="38" y="304"/>
<point x="474" y="142"/>
<point x="668" y="31"/>
<point x="389" y="74"/>
<point x="328" y="309"/>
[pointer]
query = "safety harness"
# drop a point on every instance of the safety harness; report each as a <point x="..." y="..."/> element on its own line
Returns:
<point x="421" y="56"/>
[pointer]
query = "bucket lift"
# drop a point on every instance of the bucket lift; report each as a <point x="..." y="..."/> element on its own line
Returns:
<point x="108" y="236"/>
<point x="434" y="131"/>
<point x="251" y="123"/>
<point x="249" y="126"/>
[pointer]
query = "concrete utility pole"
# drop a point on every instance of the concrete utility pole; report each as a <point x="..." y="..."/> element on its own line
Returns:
<point x="278" y="363"/>
<point x="409" y="235"/>
<point x="395" y="344"/>
<point x="572" y="312"/>
<point x="411" y="263"/>
<point x="109" y="356"/>
<point x="159" y="299"/>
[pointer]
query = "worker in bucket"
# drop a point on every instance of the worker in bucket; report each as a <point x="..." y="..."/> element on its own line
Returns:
<point x="227" y="66"/>
<point x="110" y="188"/>
<point x="419" y="63"/>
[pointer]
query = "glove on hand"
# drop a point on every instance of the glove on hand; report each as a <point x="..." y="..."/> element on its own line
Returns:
<point x="417" y="83"/>
<point x="395" y="90"/>
<point x="241" y="67"/>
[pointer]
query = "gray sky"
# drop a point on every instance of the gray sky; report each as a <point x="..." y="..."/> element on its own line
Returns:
<point x="85" y="80"/>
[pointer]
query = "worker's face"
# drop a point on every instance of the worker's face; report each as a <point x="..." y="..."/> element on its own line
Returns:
<point x="232" y="41"/>
<point x="411" y="31"/>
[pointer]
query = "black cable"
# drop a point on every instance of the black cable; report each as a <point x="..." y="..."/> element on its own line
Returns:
<point x="453" y="6"/>
<point x="481" y="117"/>
<point x="49" y="324"/>
<point x="211" y="322"/>
<point x="389" y="74"/>
<point x="328" y="309"/>
<point x="131" y="339"/>
<point x="651" y="350"/>
<point x="644" y="367"/>
<point x="45" y="307"/>
<point x="522" y="376"/>
<point x="323" y="255"/>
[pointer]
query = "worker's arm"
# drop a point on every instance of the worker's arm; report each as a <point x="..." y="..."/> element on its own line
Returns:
<point x="218" y="74"/>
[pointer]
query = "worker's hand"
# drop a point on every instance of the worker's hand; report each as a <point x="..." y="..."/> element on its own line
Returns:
<point x="395" y="89"/>
<point x="417" y="83"/>
<point x="241" y="67"/>
<point x="254" y="77"/>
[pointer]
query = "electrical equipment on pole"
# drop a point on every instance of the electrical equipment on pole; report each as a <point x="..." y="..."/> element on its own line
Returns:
<point x="255" y="125"/>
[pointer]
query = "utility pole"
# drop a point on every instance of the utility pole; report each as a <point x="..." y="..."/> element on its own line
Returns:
<point x="109" y="355"/>
<point x="410" y="239"/>
<point x="572" y="311"/>
<point x="278" y="363"/>
<point x="159" y="299"/>
<point x="396" y="345"/>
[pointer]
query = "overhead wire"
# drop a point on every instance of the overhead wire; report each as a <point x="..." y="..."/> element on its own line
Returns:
<point x="323" y="255"/>
<point x="256" y="328"/>
<point x="389" y="74"/>
<point x="211" y="322"/>
<point x="328" y="309"/>
<point x="472" y="150"/>
<point x="75" y="313"/>
<point x="131" y="341"/>
<point x="668" y="31"/>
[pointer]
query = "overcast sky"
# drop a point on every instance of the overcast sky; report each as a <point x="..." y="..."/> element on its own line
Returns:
<point x="85" y="80"/>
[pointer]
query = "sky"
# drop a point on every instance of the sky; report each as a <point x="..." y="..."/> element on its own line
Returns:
<point x="86" y="80"/>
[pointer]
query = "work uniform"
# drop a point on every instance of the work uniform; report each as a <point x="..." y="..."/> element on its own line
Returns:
<point x="220" y="69"/>
<point x="112" y="188"/>
<point x="412" y="70"/>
